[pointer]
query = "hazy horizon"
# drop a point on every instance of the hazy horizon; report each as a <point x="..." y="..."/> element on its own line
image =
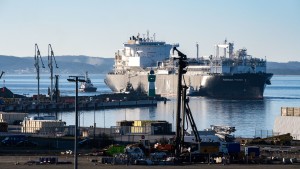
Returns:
<point x="113" y="58"/>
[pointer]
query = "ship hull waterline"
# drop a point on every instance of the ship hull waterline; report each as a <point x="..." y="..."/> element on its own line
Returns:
<point x="236" y="86"/>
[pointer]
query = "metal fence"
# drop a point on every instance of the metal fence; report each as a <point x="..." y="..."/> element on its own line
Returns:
<point x="265" y="133"/>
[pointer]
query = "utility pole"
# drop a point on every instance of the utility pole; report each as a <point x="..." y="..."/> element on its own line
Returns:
<point x="76" y="79"/>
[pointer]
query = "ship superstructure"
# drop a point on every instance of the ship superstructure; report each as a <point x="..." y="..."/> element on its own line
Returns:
<point x="234" y="75"/>
<point x="87" y="86"/>
<point x="141" y="53"/>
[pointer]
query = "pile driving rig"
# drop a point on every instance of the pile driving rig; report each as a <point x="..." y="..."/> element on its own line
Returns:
<point x="183" y="109"/>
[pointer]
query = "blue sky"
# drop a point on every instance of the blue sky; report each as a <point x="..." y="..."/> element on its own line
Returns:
<point x="99" y="27"/>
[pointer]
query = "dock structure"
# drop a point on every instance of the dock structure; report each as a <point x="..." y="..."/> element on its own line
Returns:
<point x="288" y="122"/>
<point x="68" y="104"/>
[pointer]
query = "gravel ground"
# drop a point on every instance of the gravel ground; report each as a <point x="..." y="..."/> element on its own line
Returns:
<point x="10" y="162"/>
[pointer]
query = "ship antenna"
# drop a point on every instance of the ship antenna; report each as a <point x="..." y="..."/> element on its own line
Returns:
<point x="225" y="47"/>
<point x="154" y="37"/>
<point x="197" y="46"/>
<point x="148" y="35"/>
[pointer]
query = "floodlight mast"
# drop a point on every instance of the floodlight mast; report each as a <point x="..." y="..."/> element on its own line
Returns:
<point x="37" y="57"/>
<point x="76" y="79"/>
<point x="50" y="65"/>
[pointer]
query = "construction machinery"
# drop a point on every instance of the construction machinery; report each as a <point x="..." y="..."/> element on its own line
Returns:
<point x="183" y="114"/>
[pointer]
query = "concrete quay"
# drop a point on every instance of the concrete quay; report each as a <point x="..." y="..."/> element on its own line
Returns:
<point x="20" y="162"/>
<point x="50" y="107"/>
<point x="67" y="103"/>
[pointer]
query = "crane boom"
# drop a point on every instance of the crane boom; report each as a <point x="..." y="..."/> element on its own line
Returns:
<point x="2" y="74"/>
<point x="50" y="65"/>
<point x="37" y="57"/>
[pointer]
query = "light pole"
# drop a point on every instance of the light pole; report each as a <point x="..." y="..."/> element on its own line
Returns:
<point x="94" y="121"/>
<point x="76" y="79"/>
<point x="56" y="132"/>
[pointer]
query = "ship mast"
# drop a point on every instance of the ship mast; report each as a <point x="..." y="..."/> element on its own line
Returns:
<point x="197" y="46"/>
<point x="50" y="65"/>
<point x="37" y="57"/>
<point x="225" y="42"/>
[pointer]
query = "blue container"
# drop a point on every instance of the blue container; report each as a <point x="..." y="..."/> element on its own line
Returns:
<point x="233" y="147"/>
<point x="252" y="150"/>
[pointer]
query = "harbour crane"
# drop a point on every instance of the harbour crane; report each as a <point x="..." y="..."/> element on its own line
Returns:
<point x="51" y="57"/>
<point x="3" y="80"/>
<point x="2" y="74"/>
<point x="37" y="57"/>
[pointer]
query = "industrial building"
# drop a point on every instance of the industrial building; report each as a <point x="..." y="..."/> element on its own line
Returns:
<point x="12" y="117"/>
<point x="288" y="122"/>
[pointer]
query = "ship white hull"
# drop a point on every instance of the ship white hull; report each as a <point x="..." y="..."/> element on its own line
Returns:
<point x="237" y="86"/>
<point x="165" y="84"/>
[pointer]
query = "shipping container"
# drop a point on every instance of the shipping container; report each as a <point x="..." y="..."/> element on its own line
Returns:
<point x="209" y="147"/>
<point x="233" y="147"/>
<point x="3" y="127"/>
<point x="252" y="150"/>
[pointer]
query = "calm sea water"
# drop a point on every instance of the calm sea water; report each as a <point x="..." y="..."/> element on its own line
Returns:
<point x="248" y="116"/>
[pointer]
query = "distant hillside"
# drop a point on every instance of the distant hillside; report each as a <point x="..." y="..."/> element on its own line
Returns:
<point x="289" y="68"/>
<point x="98" y="65"/>
<point x="66" y="64"/>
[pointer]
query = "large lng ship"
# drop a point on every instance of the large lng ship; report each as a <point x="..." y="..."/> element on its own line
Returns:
<point x="232" y="75"/>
